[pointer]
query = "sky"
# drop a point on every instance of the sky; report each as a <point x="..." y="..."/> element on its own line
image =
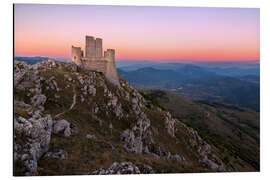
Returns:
<point x="139" y="33"/>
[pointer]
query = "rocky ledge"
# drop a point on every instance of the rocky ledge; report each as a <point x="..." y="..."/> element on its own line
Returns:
<point x="120" y="117"/>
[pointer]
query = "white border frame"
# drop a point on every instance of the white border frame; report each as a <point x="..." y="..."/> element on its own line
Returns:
<point x="7" y="79"/>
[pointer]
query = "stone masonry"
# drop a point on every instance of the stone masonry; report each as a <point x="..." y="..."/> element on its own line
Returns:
<point x="94" y="59"/>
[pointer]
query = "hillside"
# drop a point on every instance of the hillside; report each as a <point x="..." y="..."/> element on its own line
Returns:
<point x="68" y="120"/>
<point x="233" y="130"/>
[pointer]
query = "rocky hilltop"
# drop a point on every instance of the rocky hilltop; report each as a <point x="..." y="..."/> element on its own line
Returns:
<point x="69" y="120"/>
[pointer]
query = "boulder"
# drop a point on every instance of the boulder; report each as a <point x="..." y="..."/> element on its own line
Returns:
<point x="65" y="128"/>
<point x="32" y="140"/>
<point x="38" y="100"/>
<point x="118" y="168"/>
<point x="89" y="136"/>
<point x="131" y="143"/>
<point x="57" y="154"/>
<point x="145" y="169"/>
<point x="176" y="158"/>
<point x="62" y="126"/>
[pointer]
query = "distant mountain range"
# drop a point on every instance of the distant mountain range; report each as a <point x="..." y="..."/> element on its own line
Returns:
<point x="222" y="68"/>
<point x="235" y="85"/>
<point x="31" y="60"/>
<point x="36" y="59"/>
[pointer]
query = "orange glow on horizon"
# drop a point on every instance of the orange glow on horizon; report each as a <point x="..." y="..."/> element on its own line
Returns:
<point x="198" y="34"/>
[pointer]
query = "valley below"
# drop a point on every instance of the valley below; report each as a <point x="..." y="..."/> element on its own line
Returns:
<point x="240" y="87"/>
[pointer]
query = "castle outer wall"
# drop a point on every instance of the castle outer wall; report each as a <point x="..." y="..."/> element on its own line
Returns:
<point x="94" y="60"/>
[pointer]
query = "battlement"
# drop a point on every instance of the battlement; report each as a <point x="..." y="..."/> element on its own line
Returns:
<point x="94" y="59"/>
<point x="109" y="54"/>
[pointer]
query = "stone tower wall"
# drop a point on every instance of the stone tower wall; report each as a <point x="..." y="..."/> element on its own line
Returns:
<point x="76" y="55"/>
<point x="111" y="73"/>
<point x="109" y="54"/>
<point x="90" y="46"/>
<point x="99" y="49"/>
<point x="95" y="64"/>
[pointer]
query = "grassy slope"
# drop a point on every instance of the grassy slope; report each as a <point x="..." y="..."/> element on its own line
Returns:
<point x="86" y="155"/>
<point x="233" y="130"/>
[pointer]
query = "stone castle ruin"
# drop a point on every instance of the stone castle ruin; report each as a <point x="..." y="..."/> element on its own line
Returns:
<point x="94" y="59"/>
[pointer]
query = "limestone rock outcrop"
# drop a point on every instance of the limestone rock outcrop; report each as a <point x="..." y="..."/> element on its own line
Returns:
<point x="125" y="168"/>
<point x="57" y="104"/>
<point x="57" y="154"/>
<point x="32" y="139"/>
<point x="206" y="156"/>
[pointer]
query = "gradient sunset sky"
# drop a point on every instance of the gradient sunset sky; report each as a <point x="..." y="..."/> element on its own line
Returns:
<point x="141" y="33"/>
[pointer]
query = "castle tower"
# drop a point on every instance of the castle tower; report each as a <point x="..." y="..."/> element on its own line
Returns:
<point x="76" y="54"/>
<point x="109" y="55"/>
<point x="110" y="72"/>
<point x="99" y="49"/>
<point x="94" y="59"/>
<point x="90" y="46"/>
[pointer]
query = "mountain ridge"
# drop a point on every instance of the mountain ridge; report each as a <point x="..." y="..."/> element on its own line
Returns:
<point x="70" y="120"/>
<point x="197" y="83"/>
<point x="62" y="109"/>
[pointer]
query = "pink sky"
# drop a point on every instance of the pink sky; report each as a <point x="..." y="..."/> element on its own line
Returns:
<point x="142" y="33"/>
